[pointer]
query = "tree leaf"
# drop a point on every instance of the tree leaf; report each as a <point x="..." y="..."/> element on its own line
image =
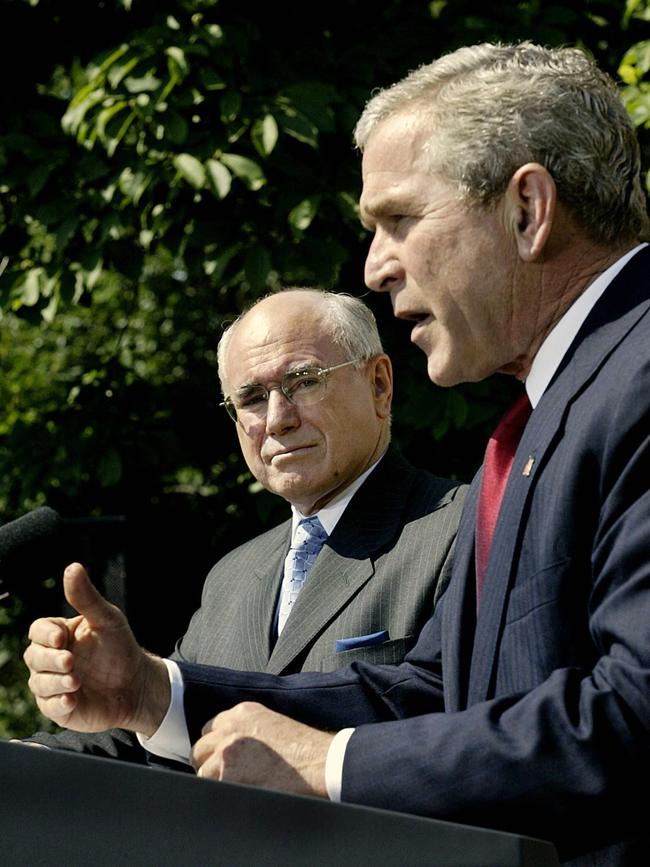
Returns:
<point x="219" y="178"/>
<point x="301" y="216"/>
<point x="313" y="99"/>
<point x="176" y="127"/>
<point x="106" y="116"/>
<point x="73" y="118"/>
<point x="119" y="71"/>
<point x="37" y="178"/>
<point x="264" y="134"/>
<point x="297" y="126"/>
<point x="146" y="83"/>
<point x="229" y="106"/>
<point x="247" y="170"/>
<point x="215" y="268"/>
<point x="113" y="141"/>
<point x="190" y="169"/>
<point x="210" y="79"/>
<point x="92" y="264"/>
<point x="66" y="230"/>
<point x="178" y="65"/>
<point x="30" y="290"/>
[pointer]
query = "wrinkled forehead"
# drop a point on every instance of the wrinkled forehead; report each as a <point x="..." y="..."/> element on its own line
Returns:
<point x="401" y="142"/>
<point x="395" y="163"/>
<point x="272" y="340"/>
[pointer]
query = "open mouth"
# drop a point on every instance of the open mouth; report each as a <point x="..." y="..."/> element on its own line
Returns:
<point x="421" y="320"/>
<point x="412" y="315"/>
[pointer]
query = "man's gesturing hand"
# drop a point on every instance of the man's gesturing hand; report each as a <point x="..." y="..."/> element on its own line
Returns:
<point x="87" y="672"/>
<point x="251" y="744"/>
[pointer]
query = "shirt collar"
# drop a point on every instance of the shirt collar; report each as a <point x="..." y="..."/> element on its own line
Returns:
<point x="557" y="342"/>
<point x="330" y="514"/>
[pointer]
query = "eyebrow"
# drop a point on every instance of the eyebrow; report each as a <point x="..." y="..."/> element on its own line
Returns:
<point x="381" y="205"/>
<point x="298" y="368"/>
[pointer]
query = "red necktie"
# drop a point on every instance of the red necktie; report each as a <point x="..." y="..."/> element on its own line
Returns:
<point x="499" y="455"/>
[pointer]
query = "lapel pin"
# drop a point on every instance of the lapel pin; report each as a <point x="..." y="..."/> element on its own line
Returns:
<point x="528" y="468"/>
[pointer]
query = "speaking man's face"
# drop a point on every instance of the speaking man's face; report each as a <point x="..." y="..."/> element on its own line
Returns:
<point x="449" y="268"/>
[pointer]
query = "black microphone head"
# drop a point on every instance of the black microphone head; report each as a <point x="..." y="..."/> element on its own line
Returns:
<point x="30" y="547"/>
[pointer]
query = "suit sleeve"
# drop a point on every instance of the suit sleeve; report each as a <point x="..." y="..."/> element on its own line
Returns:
<point x="115" y="744"/>
<point x="350" y="696"/>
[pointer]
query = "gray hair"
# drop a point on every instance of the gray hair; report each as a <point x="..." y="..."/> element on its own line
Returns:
<point x="351" y="324"/>
<point x="491" y="108"/>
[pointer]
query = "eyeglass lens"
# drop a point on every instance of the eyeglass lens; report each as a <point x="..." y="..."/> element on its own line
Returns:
<point x="301" y="387"/>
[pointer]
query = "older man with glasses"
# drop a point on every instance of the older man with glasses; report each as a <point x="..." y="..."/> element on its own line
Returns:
<point x="356" y="571"/>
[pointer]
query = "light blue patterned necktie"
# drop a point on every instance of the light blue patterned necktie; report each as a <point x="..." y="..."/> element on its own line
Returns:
<point x="308" y="541"/>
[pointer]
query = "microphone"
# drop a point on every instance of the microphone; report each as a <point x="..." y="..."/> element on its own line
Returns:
<point x="29" y="547"/>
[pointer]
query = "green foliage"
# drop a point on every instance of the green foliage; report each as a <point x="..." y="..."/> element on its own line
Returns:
<point x="162" y="165"/>
<point x="183" y="150"/>
<point x="633" y="71"/>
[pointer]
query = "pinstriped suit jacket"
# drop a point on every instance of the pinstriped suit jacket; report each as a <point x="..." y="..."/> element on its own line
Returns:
<point x="383" y="568"/>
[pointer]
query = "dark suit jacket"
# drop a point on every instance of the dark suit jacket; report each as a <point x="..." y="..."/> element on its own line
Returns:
<point x="546" y="729"/>
<point x="381" y="570"/>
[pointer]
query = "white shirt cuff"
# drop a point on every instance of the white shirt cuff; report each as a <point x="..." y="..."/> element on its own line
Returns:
<point x="171" y="740"/>
<point x="334" y="764"/>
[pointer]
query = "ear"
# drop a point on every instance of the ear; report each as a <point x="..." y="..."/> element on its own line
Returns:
<point x="380" y="372"/>
<point x="531" y="198"/>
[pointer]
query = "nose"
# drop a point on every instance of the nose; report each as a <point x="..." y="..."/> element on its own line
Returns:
<point x="383" y="270"/>
<point x="281" y="415"/>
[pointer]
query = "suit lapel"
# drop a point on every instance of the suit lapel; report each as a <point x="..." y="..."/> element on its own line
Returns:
<point x="535" y="442"/>
<point x="258" y="614"/>
<point x="331" y="583"/>
<point x="624" y="302"/>
<point x="458" y="606"/>
<point x="346" y="561"/>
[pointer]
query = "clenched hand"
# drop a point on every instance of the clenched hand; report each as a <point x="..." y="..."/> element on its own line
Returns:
<point x="251" y="744"/>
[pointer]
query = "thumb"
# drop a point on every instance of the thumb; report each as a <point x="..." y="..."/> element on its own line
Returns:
<point x="84" y="597"/>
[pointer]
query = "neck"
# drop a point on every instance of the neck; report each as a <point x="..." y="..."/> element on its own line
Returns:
<point x="559" y="281"/>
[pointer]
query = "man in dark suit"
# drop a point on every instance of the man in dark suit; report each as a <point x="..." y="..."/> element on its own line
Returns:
<point x="502" y="186"/>
<point x="390" y="528"/>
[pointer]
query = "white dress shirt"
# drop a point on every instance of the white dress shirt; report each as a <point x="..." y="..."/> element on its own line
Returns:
<point x="171" y="740"/>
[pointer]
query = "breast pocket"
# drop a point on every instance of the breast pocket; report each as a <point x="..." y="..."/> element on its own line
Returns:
<point x="539" y="590"/>
<point x="388" y="653"/>
<point x="543" y="628"/>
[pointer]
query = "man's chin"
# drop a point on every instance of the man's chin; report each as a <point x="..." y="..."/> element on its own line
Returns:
<point x="445" y="373"/>
<point x="441" y="375"/>
<point x="292" y="486"/>
<point x="439" y="370"/>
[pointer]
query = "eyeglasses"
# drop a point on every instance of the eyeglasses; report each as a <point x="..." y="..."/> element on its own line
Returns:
<point x="303" y="387"/>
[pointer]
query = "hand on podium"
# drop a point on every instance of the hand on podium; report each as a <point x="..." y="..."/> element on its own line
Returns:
<point x="88" y="672"/>
<point x="254" y="745"/>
